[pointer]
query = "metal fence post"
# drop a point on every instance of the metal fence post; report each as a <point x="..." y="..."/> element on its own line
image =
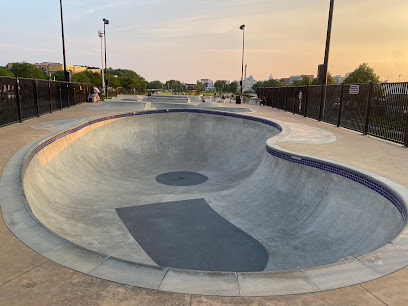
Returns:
<point x="321" y="103"/>
<point x="286" y="98"/>
<point x="17" y="92"/>
<point x="406" y="130"/>
<point x="36" y="97"/>
<point x="74" y="95"/>
<point x="68" y="94"/>
<point x="60" y="95"/>
<point x="340" y="105"/>
<point x="279" y="103"/>
<point x="294" y="100"/>
<point x="367" y="112"/>
<point x="49" y="95"/>
<point x="273" y="88"/>
<point x="306" y="100"/>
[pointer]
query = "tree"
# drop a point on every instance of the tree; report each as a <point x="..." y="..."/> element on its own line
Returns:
<point x="58" y="76"/>
<point x="5" y="72"/>
<point x="363" y="74"/>
<point x="234" y="87"/>
<point x="200" y="86"/>
<point x="330" y="80"/>
<point x="87" y="76"/>
<point x="302" y="82"/>
<point x="174" y="85"/>
<point x="226" y="88"/>
<point x="268" y="83"/>
<point x="26" y="70"/>
<point x="155" y="85"/>
<point x="219" y="84"/>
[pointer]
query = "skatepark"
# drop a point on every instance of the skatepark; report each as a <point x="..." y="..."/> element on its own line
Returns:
<point x="205" y="201"/>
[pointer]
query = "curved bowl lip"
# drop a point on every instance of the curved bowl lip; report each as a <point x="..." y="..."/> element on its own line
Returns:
<point x="352" y="270"/>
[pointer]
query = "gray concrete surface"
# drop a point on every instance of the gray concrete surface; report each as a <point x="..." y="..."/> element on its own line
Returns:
<point x="305" y="217"/>
<point x="27" y="277"/>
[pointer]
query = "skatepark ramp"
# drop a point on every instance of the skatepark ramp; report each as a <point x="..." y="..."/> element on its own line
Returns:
<point x="200" y="190"/>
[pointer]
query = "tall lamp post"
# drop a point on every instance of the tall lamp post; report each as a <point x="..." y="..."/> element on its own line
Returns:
<point x="326" y="54"/>
<point x="242" y="68"/>
<point x="100" y="34"/>
<point x="105" y="22"/>
<point x="66" y="75"/>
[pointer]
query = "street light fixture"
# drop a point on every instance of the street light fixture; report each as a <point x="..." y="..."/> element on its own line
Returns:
<point x="242" y="68"/>
<point x="66" y="74"/>
<point x="105" y="22"/>
<point x="100" y="34"/>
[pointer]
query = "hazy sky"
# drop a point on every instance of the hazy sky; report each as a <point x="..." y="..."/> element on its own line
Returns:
<point x="192" y="39"/>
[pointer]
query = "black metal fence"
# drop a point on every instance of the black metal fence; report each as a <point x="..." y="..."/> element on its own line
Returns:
<point x="379" y="109"/>
<point x="22" y="99"/>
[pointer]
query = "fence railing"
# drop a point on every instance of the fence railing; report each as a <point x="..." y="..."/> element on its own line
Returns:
<point x="379" y="109"/>
<point x="21" y="99"/>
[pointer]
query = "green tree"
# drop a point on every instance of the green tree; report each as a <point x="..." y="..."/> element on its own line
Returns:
<point x="5" y="72"/>
<point x="363" y="74"/>
<point x="113" y="81"/>
<point x="174" y="85"/>
<point x="268" y="83"/>
<point x="226" y="88"/>
<point x="155" y="85"/>
<point x="219" y="84"/>
<point x="127" y="79"/>
<point x="234" y="87"/>
<point x="200" y="86"/>
<point x="27" y="70"/>
<point x="304" y="81"/>
<point x="330" y="80"/>
<point x="87" y="76"/>
<point x="58" y="76"/>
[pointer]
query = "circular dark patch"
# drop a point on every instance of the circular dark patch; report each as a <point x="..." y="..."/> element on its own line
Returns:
<point x="181" y="178"/>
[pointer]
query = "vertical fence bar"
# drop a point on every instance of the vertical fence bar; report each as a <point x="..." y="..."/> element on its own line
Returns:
<point x="286" y="98"/>
<point x="340" y="105"/>
<point x="279" y="102"/>
<point x="73" y="85"/>
<point x="272" y="97"/>
<point x="321" y="103"/>
<point x="17" y="92"/>
<point x="49" y="95"/>
<point x="60" y="96"/>
<point x="68" y="94"/>
<point x="306" y="100"/>
<point x="294" y="100"/>
<point x="406" y="130"/>
<point x="37" y="105"/>
<point x="367" y="112"/>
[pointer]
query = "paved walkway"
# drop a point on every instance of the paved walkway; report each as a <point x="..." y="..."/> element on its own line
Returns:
<point x="28" y="278"/>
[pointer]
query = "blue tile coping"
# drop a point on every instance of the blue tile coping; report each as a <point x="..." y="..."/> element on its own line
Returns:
<point x="19" y="219"/>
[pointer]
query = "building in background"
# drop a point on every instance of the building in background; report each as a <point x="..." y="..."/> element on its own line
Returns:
<point x="249" y="82"/>
<point x="208" y="84"/>
<point x="338" y="79"/>
<point x="50" y="68"/>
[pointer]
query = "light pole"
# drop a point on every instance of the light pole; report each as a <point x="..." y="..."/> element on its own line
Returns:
<point x="105" y="22"/>
<point x="100" y="34"/>
<point x="242" y="68"/>
<point x="326" y="54"/>
<point x="66" y="76"/>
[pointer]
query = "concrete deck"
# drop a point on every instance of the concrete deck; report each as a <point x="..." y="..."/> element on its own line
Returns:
<point x="27" y="276"/>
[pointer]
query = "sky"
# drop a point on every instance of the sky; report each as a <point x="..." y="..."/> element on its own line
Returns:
<point x="189" y="40"/>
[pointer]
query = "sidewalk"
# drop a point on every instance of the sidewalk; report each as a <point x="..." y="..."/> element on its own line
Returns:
<point x="28" y="278"/>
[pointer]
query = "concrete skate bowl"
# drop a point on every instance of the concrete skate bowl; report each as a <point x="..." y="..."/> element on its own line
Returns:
<point x="205" y="202"/>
